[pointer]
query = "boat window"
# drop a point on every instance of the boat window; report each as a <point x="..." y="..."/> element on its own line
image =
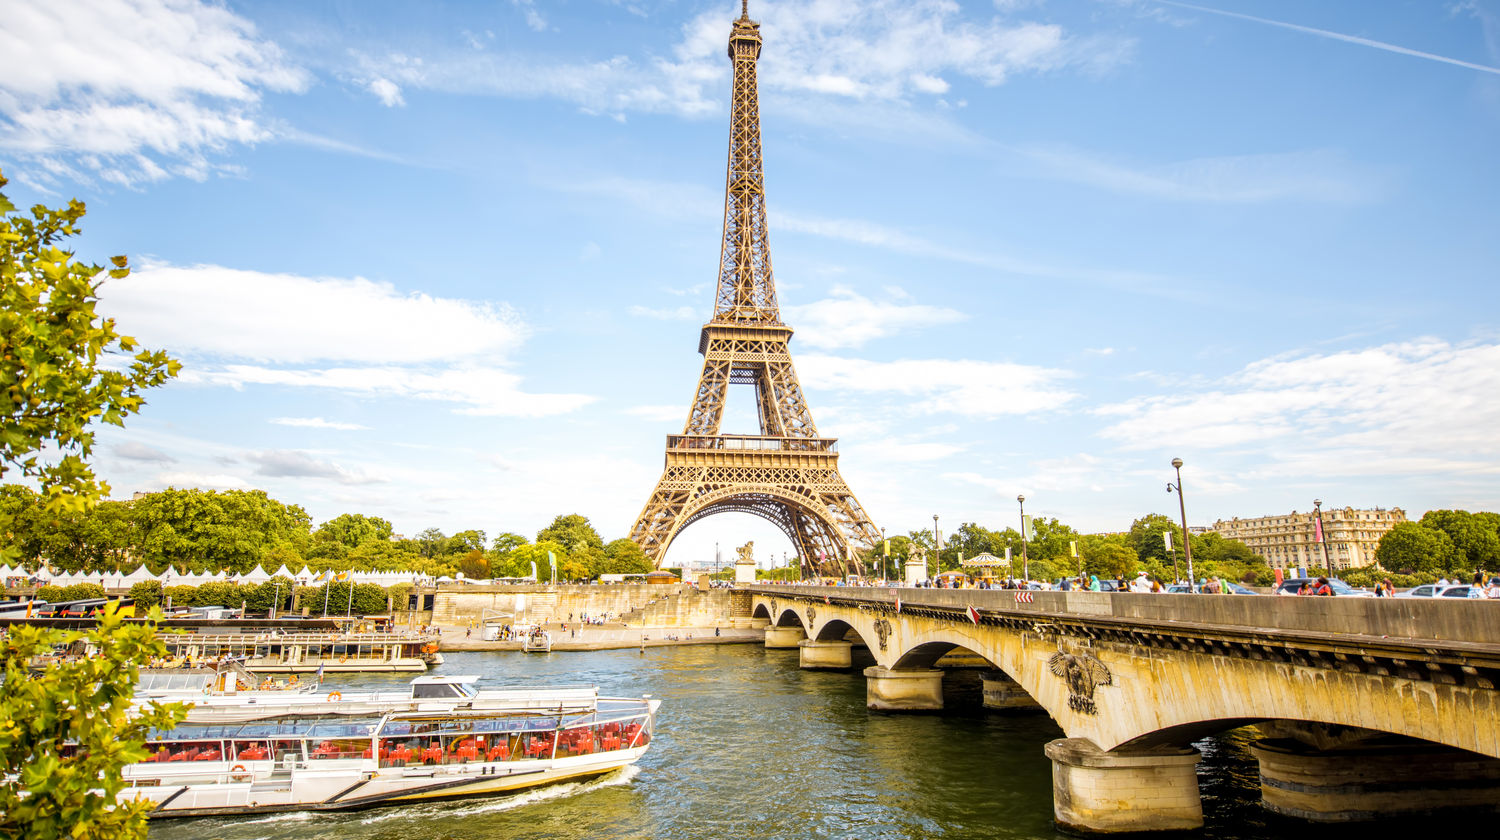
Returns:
<point x="340" y="748"/>
<point x="432" y="691"/>
<point x="185" y="751"/>
<point x="251" y="751"/>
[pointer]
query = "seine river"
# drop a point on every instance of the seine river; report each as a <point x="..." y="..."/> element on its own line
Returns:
<point x="751" y="747"/>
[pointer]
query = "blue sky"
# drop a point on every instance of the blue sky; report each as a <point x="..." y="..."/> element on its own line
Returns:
<point x="446" y="263"/>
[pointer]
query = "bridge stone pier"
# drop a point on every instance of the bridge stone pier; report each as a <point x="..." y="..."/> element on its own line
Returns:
<point x="1365" y="708"/>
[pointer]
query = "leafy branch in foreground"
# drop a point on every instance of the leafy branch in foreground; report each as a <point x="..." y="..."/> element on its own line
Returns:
<point x="67" y="731"/>
<point x="60" y="362"/>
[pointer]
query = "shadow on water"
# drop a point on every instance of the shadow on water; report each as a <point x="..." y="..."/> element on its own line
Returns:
<point x="751" y="747"/>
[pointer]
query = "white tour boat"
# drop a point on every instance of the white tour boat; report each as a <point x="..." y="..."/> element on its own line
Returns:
<point x="261" y="752"/>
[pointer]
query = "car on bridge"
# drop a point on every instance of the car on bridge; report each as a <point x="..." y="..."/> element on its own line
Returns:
<point x="1463" y="590"/>
<point x="1293" y="586"/>
<point x="1234" y="589"/>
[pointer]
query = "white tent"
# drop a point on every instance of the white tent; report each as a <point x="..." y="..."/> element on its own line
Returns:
<point x="256" y="575"/>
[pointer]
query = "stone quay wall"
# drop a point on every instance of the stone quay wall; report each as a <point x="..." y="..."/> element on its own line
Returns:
<point x="636" y="605"/>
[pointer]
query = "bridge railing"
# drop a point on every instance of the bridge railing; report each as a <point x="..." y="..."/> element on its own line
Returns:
<point x="1464" y="622"/>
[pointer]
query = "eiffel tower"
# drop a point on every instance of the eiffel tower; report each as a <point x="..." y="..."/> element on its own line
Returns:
<point x="787" y="473"/>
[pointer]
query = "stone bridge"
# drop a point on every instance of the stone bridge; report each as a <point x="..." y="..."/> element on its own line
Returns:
<point x="1366" y="707"/>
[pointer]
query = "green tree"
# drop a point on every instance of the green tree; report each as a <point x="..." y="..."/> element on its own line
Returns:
<point x="624" y="557"/>
<point x="475" y="566"/>
<point x="1412" y="547"/>
<point x="508" y="542"/>
<point x="354" y="529"/>
<point x="464" y="542"/>
<point x="518" y="562"/>
<point x="146" y="594"/>
<point x="572" y="531"/>
<point x="1475" y="543"/>
<point x="82" y="592"/>
<point x="61" y="367"/>
<point x="1108" y="558"/>
<point x="68" y="732"/>
<point x="1146" y="537"/>
<point x="231" y="530"/>
<point x="431" y="542"/>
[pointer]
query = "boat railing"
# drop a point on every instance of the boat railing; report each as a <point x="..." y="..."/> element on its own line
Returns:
<point x="300" y="638"/>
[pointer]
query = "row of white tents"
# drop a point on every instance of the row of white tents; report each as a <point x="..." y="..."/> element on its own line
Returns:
<point x="258" y="575"/>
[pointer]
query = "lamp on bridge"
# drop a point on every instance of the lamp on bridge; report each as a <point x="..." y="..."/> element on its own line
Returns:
<point x="1321" y="536"/>
<point x="1025" y="564"/>
<point x="1187" y="545"/>
<point x="937" y="548"/>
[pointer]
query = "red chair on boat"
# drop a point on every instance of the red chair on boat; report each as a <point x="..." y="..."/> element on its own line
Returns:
<point x="433" y="754"/>
<point x="208" y="755"/>
<point x="401" y="754"/>
<point x="499" y="752"/>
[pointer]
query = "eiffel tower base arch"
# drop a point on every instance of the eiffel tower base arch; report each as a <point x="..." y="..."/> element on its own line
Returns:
<point x="801" y="492"/>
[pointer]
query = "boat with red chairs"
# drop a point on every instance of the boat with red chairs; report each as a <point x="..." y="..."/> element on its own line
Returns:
<point x="453" y="741"/>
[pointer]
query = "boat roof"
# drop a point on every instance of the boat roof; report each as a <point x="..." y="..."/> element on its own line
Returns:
<point x="440" y="679"/>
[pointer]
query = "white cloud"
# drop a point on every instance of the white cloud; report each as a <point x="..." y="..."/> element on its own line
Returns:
<point x="317" y="423"/>
<point x="1424" y="406"/>
<point x="534" y="18"/>
<point x="849" y="319"/>
<point x="135" y="451"/>
<point x="1316" y="175"/>
<point x="204" y="481"/>
<point x="132" y="90"/>
<point x="286" y="463"/>
<point x="871" y="51"/>
<point x="480" y="390"/>
<point x="236" y="328"/>
<point x="964" y="387"/>
<point x="288" y="318"/>
<point x="659" y="413"/>
<point x="681" y="313"/>
<point x="908" y="452"/>
<point x="387" y="91"/>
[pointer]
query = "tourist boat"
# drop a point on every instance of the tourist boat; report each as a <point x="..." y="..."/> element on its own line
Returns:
<point x="442" y="739"/>
<point x="537" y="641"/>
<point x="303" y="652"/>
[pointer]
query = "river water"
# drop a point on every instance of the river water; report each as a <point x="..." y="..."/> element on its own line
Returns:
<point x="751" y="747"/>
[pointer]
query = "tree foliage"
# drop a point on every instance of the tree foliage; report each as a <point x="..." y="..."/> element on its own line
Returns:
<point x="1413" y="547"/>
<point x="573" y="532"/>
<point x="67" y="732"/>
<point x="1475" y="543"/>
<point x="352" y="530"/>
<point x="61" y="367"/>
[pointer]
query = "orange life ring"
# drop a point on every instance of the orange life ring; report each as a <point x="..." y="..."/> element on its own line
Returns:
<point x="239" y="770"/>
<point x="344" y="658"/>
<point x="334" y="696"/>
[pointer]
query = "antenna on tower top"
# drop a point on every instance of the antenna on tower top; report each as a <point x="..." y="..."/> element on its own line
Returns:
<point x="745" y="9"/>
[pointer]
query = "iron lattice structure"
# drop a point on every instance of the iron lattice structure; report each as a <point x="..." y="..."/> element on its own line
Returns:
<point x="787" y="474"/>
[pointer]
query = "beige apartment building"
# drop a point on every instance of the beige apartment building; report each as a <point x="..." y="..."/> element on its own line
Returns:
<point x="1287" y="540"/>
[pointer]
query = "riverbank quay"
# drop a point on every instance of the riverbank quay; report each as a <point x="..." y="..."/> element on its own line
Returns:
<point x="611" y="636"/>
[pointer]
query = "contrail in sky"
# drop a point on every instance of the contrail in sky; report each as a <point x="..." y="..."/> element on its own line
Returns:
<point x="1379" y="45"/>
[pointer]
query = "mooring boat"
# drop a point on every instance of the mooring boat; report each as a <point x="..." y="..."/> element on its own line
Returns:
<point x="294" y="652"/>
<point x="443" y="739"/>
<point x="537" y="641"/>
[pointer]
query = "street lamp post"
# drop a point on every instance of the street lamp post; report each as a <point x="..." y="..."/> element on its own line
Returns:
<point x="1322" y="534"/>
<point x="1187" y="546"/>
<point x="937" y="548"/>
<point x="885" y="557"/>
<point x="1025" y="563"/>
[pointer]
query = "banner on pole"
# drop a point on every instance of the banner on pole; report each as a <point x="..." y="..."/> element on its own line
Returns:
<point x="1167" y="538"/>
